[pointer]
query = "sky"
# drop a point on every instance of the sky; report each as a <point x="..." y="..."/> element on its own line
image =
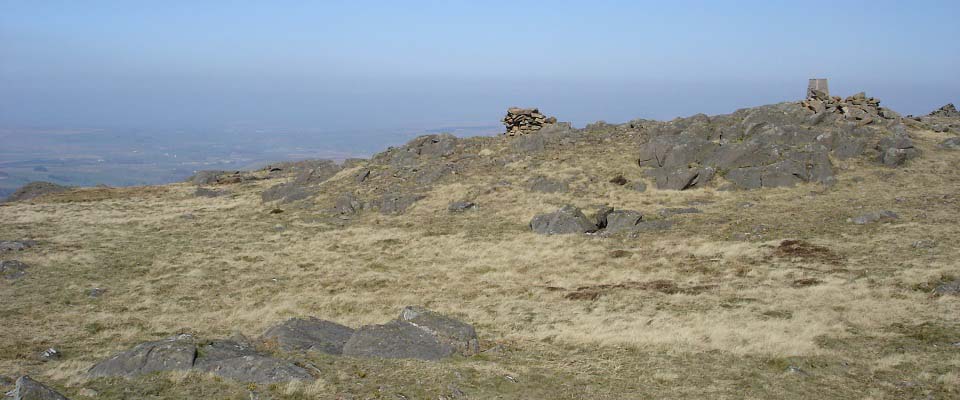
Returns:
<point x="354" y="65"/>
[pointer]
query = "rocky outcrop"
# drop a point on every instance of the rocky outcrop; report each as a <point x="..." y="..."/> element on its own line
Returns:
<point x="522" y="121"/>
<point x="229" y="359"/>
<point x="396" y="339"/>
<point x="29" y="389"/>
<point x="873" y="217"/>
<point x="33" y="190"/>
<point x="769" y="146"/>
<point x="309" y="334"/>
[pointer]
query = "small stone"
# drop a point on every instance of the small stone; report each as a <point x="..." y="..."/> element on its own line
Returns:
<point x="461" y="206"/>
<point x="879" y="216"/>
<point x="50" y="354"/>
<point x="948" y="288"/>
<point x="13" y="269"/>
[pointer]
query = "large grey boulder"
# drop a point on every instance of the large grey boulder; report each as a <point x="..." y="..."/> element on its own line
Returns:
<point x="176" y="353"/>
<point x="309" y="334"/>
<point x="13" y="269"/>
<point x="896" y="149"/>
<point x="347" y="204"/>
<point x="29" y="389"/>
<point x="397" y="203"/>
<point x="396" y="339"/>
<point x="546" y="185"/>
<point x="461" y="336"/>
<point x="566" y="220"/>
<point x="622" y="220"/>
<point x="36" y="189"/>
<point x="241" y="362"/>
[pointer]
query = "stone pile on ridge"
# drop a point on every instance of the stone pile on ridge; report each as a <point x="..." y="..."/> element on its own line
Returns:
<point x="947" y="111"/>
<point x="521" y="121"/>
<point x="865" y="110"/>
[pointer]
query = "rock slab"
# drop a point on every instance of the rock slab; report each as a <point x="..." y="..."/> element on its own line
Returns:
<point x="29" y="389"/>
<point x="310" y="334"/>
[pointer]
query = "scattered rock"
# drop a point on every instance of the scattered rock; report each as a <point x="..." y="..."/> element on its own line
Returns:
<point x="879" y="216"/>
<point x="348" y="204"/>
<point x="522" y="121"/>
<point x="449" y="331"/>
<point x="567" y="220"/>
<point x="396" y="339"/>
<point x="461" y="206"/>
<point x="547" y="185"/>
<point x="29" y="389"/>
<point x="50" y="354"/>
<point x="948" y="288"/>
<point x="96" y="292"/>
<point x="924" y="244"/>
<point x="204" y="192"/>
<point x="172" y="354"/>
<point x="36" y="189"/>
<point x="667" y="212"/>
<point x="240" y="362"/>
<point x="309" y="334"/>
<point x="13" y="269"/>
<point x="950" y="144"/>
<point x="16" y="245"/>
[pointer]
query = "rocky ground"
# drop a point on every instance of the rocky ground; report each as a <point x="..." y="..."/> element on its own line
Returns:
<point x="796" y="250"/>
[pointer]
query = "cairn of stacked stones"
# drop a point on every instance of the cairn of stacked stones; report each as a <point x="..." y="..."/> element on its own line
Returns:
<point x="859" y="107"/>
<point x="521" y="121"/>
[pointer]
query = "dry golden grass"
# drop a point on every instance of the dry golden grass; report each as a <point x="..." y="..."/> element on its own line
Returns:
<point x="864" y="327"/>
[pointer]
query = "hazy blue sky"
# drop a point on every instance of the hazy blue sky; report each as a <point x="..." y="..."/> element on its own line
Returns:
<point x="417" y="64"/>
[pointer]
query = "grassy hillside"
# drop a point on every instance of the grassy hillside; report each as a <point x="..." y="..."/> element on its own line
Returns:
<point x="717" y="306"/>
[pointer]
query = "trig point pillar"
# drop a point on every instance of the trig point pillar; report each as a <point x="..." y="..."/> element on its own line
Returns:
<point x="819" y="85"/>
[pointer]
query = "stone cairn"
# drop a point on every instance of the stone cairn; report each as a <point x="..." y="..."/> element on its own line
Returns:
<point x="521" y="121"/>
<point x="860" y="108"/>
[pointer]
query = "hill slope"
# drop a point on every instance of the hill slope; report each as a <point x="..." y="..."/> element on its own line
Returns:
<point x="774" y="292"/>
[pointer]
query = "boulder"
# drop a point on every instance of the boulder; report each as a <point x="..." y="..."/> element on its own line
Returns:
<point x="396" y="339"/>
<point x="309" y="334"/>
<point x="36" y="189"/>
<point x="397" y="203"/>
<point x="461" y="336"/>
<point x="176" y="353"/>
<point x="29" y="389"/>
<point x="622" y="220"/>
<point x="566" y="220"/>
<point x="13" y="269"/>
<point x="348" y="204"/>
<point x="896" y="149"/>
<point x="546" y="185"/>
<point x="600" y="217"/>
<point x="241" y="362"/>
<point x="879" y="216"/>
